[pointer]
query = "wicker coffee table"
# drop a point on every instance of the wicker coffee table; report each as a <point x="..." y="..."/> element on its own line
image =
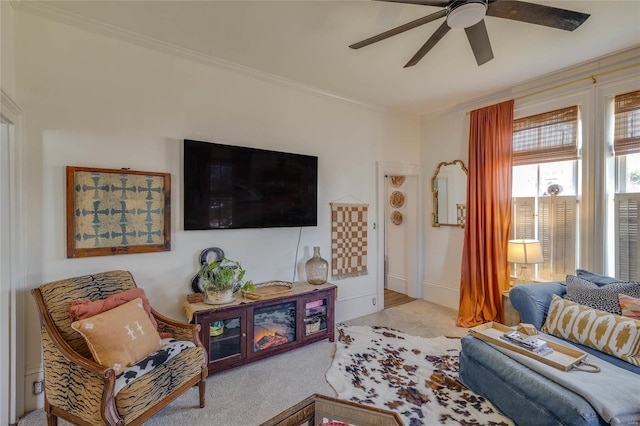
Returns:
<point x="320" y="409"/>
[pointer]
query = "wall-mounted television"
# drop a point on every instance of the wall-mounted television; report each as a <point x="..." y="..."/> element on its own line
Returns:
<point x="232" y="187"/>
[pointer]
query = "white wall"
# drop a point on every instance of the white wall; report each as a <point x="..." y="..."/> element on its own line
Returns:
<point x="444" y="138"/>
<point x="97" y="101"/>
<point x="7" y="70"/>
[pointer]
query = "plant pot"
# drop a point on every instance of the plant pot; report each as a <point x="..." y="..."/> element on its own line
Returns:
<point x="218" y="297"/>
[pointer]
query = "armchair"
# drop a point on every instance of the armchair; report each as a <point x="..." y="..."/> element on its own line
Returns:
<point x="80" y="390"/>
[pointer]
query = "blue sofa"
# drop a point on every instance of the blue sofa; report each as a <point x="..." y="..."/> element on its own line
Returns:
<point x="528" y="398"/>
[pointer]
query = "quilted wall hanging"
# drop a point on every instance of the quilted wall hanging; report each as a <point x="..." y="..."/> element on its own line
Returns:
<point x="117" y="212"/>
<point x="348" y="240"/>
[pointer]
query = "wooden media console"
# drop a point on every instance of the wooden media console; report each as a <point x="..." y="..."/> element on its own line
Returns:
<point x="247" y="330"/>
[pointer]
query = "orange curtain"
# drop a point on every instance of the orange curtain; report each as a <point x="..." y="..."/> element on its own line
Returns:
<point x="485" y="273"/>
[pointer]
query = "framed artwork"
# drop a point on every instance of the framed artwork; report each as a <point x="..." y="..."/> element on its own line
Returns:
<point x="112" y="211"/>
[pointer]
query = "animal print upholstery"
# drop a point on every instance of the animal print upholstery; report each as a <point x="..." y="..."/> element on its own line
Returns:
<point x="136" y="398"/>
<point x="75" y="389"/>
<point x="58" y="296"/>
<point x="412" y="376"/>
<point x="170" y="348"/>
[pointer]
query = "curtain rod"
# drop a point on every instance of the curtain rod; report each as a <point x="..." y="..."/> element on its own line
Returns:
<point x="592" y="77"/>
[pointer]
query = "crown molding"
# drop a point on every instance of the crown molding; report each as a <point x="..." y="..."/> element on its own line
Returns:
<point x="579" y="76"/>
<point x="47" y="11"/>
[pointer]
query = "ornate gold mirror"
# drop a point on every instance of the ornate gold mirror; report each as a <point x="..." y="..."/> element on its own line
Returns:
<point x="449" y="188"/>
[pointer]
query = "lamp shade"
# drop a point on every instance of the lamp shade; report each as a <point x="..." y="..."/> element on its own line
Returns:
<point x="524" y="251"/>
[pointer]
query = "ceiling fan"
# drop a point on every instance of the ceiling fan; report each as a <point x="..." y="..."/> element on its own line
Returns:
<point x="469" y="14"/>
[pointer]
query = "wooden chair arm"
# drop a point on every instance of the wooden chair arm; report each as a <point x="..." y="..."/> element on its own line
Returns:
<point x="181" y="330"/>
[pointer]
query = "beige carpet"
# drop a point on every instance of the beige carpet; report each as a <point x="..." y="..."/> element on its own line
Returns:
<point x="252" y="394"/>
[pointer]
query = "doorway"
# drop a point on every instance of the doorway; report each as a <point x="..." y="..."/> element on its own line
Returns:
<point x="399" y="248"/>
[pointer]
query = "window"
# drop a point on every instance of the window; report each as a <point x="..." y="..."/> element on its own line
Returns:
<point x="545" y="188"/>
<point x="626" y="146"/>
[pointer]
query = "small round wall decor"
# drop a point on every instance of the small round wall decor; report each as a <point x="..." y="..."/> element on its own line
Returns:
<point x="396" y="217"/>
<point x="396" y="199"/>
<point x="397" y="181"/>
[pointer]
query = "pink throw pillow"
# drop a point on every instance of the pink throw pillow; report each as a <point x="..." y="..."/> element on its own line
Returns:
<point x="630" y="306"/>
<point x="85" y="308"/>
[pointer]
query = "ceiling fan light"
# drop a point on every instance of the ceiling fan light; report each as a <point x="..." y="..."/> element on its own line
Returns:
<point x="466" y="14"/>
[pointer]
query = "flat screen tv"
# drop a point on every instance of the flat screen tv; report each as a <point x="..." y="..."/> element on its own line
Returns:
<point x="232" y="187"/>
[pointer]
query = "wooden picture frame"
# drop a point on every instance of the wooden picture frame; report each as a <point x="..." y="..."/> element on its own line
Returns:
<point x="111" y="211"/>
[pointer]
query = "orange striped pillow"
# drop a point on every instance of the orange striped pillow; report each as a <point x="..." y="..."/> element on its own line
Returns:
<point x="630" y="306"/>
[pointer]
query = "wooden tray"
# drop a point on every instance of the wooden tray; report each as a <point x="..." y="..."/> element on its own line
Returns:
<point x="562" y="358"/>
<point x="269" y="290"/>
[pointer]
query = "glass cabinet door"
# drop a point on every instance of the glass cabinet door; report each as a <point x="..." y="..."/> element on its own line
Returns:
<point x="226" y="338"/>
<point x="315" y="316"/>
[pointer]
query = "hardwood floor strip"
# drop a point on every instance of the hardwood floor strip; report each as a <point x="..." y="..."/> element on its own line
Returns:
<point x="393" y="298"/>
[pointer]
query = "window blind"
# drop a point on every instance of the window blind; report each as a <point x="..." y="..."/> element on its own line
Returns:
<point x="556" y="232"/>
<point x="556" y="220"/>
<point x="626" y="134"/>
<point x="626" y="229"/>
<point x="542" y="138"/>
<point x="524" y="218"/>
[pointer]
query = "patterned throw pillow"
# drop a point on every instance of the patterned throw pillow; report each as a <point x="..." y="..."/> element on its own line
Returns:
<point x="613" y="334"/>
<point x="121" y="336"/>
<point x="604" y="297"/>
<point x="630" y="306"/>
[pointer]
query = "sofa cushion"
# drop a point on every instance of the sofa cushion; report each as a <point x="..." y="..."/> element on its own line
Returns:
<point x="595" y="278"/>
<point x="120" y="336"/>
<point x="630" y="306"/>
<point x="604" y="297"/>
<point x="613" y="334"/>
<point x="135" y="399"/>
<point x="527" y="397"/>
<point x="170" y="349"/>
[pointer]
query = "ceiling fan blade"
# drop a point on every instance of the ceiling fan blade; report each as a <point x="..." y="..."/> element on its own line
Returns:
<point x="439" y="3"/>
<point x="479" y="41"/>
<point x="548" y="16"/>
<point x="435" y="38"/>
<point x="398" y="30"/>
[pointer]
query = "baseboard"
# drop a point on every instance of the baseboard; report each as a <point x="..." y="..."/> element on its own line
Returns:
<point x="441" y="295"/>
<point x="355" y="307"/>
<point x="31" y="401"/>
<point x="397" y="283"/>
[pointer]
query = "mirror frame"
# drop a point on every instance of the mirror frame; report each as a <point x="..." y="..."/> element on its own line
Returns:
<point x="434" y="191"/>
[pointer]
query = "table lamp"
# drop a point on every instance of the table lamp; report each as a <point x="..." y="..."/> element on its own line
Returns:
<point x="524" y="252"/>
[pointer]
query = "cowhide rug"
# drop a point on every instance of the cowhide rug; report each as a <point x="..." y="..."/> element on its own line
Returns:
<point x="412" y="376"/>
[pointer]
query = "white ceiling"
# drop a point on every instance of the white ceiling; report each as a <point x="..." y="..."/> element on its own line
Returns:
<point x="306" y="42"/>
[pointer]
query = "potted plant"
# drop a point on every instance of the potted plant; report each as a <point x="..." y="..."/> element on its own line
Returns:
<point x="220" y="279"/>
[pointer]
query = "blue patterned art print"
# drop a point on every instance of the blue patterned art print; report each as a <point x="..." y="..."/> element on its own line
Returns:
<point x="117" y="212"/>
